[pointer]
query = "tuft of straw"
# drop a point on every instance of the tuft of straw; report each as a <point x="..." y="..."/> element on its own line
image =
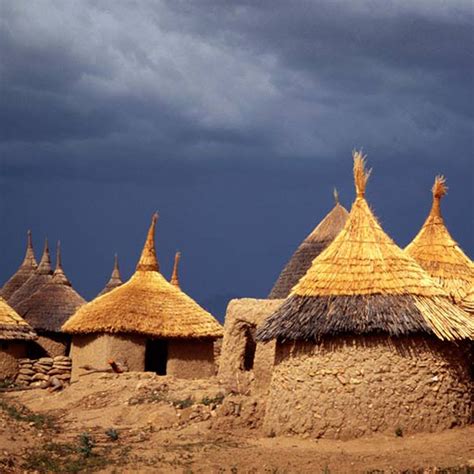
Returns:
<point x="439" y="188"/>
<point x="175" y="276"/>
<point x="361" y="174"/>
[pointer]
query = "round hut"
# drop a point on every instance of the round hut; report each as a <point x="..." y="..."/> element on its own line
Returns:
<point x="115" y="279"/>
<point x="438" y="253"/>
<point x="48" y="309"/>
<point x="40" y="277"/>
<point x="324" y="233"/>
<point x="367" y="341"/>
<point x="145" y="324"/>
<point x="15" y="334"/>
<point x="26" y="269"/>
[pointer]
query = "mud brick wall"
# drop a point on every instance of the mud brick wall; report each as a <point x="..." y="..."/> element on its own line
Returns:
<point x="44" y="372"/>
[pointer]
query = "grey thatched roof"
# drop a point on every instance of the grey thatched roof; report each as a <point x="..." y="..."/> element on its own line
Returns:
<point x="115" y="279"/>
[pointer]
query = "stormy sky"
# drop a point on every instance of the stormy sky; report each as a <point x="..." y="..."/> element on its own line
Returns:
<point x="234" y="120"/>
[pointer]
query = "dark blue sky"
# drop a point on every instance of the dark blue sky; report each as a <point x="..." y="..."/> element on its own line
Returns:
<point x="234" y="121"/>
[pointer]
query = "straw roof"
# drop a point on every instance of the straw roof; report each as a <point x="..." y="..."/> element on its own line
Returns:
<point x="40" y="277"/>
<point x="438" y="253"/>
<point x="146" y="304"/>
<point x="364" y="283"/>
<point x="175" y="276"/>
<point x="310" y="248"/>
<point x="467" y="303"/>
<point x="115" y="279"/>
<point x="12" y="325"/>
<point x="25" y="270"/>
<point x="54" y="303"/>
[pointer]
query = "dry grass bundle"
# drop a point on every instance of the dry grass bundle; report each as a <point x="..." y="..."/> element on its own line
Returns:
<point x="115" y="278"/>
<point x="467" y="303"/>
<point x="24" y="272"/>
<point x="310" y="248"/>
<point x="12" y="325"/>
<point x="40" y="277"/>
<point x="53" y="304"/>
<point x="438" y="253"/>
<point x="146" y="304"/>
<point x="175" y="276"/>
<point x="364" y="283"/>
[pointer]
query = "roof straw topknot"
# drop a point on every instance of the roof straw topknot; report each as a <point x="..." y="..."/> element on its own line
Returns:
<point x="175" y="275"/>
<point x="25" y="270"/>
<point x="40" y="277"/>
<point x="363" y="283"/>
<point x="115" y="279"/>
<point x="146" y="304"/>
<point x="309" y="249"/>
<point x="12" y="325"/>
<point x="438" y="253"/>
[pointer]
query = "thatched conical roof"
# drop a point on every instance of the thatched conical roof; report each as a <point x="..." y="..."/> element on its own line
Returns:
<point x="25" y="270"/>
<point x="54" y="303"/>
<point x="41" y="276"/>
<point x="175" y="275"/>
<point x="438" y="253"/>
<point x="115" y="278"/>
<point x="364" y="283"/>
<point x="146" y="304"/>
<point x="12" y="325"/>
<point x="310" y="248"/>
<point x="467" y="303"/>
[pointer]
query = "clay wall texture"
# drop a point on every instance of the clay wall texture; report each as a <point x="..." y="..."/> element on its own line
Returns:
<point x="348" y="387"/>
<point x="10" y="352"/>
<point x="53" y="344"/>
<point x="190" y="359"/>
<point x="242" y="313"/>
<point x="96" y="350"/>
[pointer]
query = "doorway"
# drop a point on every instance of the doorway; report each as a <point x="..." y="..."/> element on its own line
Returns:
<point x="156" y="356"/>
<point x="250" y="347"/>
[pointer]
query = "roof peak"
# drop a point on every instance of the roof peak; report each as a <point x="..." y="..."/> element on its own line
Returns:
<point x="439" y="190"/>
<point x="148" y="261"/>
<point x="59" y="276"/>
<point x="44" y="267"/>
<point x="361" y="174"/>
<point x="30" y="259"/>
<point x="175" y="276"/>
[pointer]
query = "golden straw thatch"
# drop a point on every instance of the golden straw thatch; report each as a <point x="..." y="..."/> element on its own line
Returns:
<point x="115" y="279"/>
<point x="24" y="272"/>
<point x="40" y="277"/>
<point x="146" y="304"/>
<point x="175" y="276"/>
<point x="467" y="303"/>
<point x="364" y="283"/>
<point x="310" y="248"/>
<point x="12" y="325"/>
<point x="53" y="304"/>
<point x="438" y="253"/>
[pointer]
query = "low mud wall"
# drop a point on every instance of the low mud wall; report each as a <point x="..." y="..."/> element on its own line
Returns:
<point x="44" y="372"/>
<point x="190" y="359"/>
<point x="10" y="352"/>
<point x="354" y="386"/>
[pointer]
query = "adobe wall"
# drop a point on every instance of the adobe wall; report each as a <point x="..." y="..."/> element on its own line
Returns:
<point x="242" y="313"/>
<point x="190" y="359"/>
<point x="10" y="352"/>
<point x="97" y="349"/>
<point x="54" y="344"/>
<point x="349" y="387"/>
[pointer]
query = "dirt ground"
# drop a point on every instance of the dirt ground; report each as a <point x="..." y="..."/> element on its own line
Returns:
<point x="144" y="423"/>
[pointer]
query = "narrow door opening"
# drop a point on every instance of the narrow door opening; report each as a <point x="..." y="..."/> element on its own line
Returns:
<point x="35" y="351"/>
<point x="156" y="356"/>
<point x="250" y="347"/>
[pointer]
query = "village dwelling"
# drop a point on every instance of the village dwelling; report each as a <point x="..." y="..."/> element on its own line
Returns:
<point x="115" y="278"/>
<point x="26" y="269"/>
<point x="145" y="324"/>
<point x="439" y="254"/>
<point x="48" y="309"/>
<point x="15" y="335"/>
<point x="367" y="342"/>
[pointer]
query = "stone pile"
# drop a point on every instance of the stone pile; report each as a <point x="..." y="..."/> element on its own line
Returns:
<point x="45" y="372"/>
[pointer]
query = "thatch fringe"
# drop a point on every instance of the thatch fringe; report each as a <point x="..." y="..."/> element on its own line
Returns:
<point x="12" y="325"/>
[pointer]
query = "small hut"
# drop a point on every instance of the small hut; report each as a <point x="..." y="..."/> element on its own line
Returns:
<point x="15" y="334"/>
<point x="438" y="253"/>
<point x="115" y="279"/>
<point x="365" y="342"/>
<point x="48" y="309"/>
<point x="146" y="324"/>
<point x="324" y="233"/>
<point x="42" y="275"/>
<point x="26" y="269"/>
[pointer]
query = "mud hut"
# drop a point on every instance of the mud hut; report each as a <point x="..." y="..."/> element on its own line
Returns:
<point x="367" y="341"/>
<point x="438" y="253"/>
<point x="42" y="275"/>
<point x="26" y="269"/>
<point x="310" y="248"/>
<point x="146" y="324"/>
<point x="48" y="309"/>
<point x="15" y="335"/>
<point x="115" y="279"/>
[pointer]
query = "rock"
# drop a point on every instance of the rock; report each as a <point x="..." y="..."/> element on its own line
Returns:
<point x="63" y="376"/>
<point x="55" y="371"/>
<point x="45" y="360"/>
<point x="62" y="358"/>
<point x="37" y="384"/>
<point x="40" y="377"/>
<point x="26" y="372"/>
